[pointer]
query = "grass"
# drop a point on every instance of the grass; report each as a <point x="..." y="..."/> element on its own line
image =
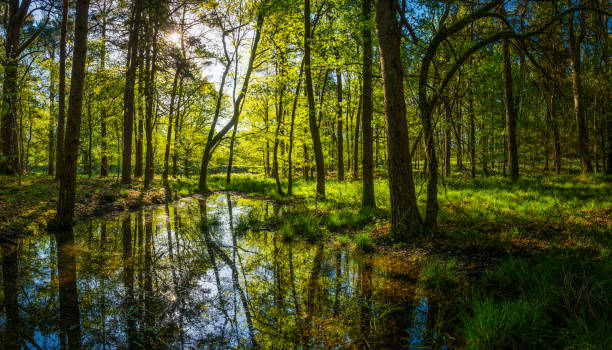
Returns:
<point x="364" y="242"/>
<point x="510" y="324"/>
<point x="438" y="275"/>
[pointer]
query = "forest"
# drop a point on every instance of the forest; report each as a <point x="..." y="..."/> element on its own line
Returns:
<point x="292" y="174"/>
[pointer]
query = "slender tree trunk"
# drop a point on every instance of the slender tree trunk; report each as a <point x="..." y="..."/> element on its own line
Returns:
<point x="140" y="113"/>
<point x="103" y="156"/>
<point x="312" y="119"/>
<point x="510" y="113"/>
<point x="293" y="110"/>
<point x="356" y="138"/>
<point x="128" y="97"/>
<point x="447" y="141"/>
<point x="340" y="137"/>
<point x="90" y="140"/>
<point x="405" y="218"/>
<point x="51" y="163"/>
<point x="575" y="41"/>
<point x="65" y="210"/>
<point x="228" y="176"/>
<point x="387" y="32"/>
<point x="151" y="68"/>
<point x="472" y="134"/>
<point x="170" y="116"/>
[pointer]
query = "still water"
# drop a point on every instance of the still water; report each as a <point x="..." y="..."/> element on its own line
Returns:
<point x="189" y="275"/>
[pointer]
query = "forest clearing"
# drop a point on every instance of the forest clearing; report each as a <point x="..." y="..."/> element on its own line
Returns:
<point x="292" y="174"/>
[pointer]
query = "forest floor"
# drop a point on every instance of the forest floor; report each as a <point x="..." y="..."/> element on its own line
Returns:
<point x="525" y="264"/>
<point x="28" y="207"/>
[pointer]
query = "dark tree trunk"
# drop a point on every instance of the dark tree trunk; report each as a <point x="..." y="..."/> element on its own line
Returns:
<point x="405" y="218"/>
<point x="367" y="166"/>
<point x="151" y="68"/>
<point x="140" y="119"/>
<point x="472" y="143"/>
<point x="61" y="112"/>
<point x="228" y="176"/>
<point x="312" y="113"/>
<point x="65" y="210"/>
<point x="356" y="138"/>
<point x="340" y="137"/>
<point x="575" y="41"/>
<point x="293" y="110"/>
<point x="170" y="116"/>
<point x="128" y="97"/>
<point x="103" y="157"/>
<point x="9" y="140"/>
<point x="51" y="163"/>
<point x="510" y="114"/>
<point x="70" y="316"/>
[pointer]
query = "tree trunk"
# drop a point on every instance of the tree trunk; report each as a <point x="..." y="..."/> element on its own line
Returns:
<point x="356" y="138"/>
<point x="405" y="218"/>
<point x="293" y="110"/>
<point x="170" y="116"/>
<point x="228" y="177"/>
<point x="90" y="140"/>
<point x="312" y="116"/>
<point x="340" y="137"/>
<point x="9" y="139"/>
<point x="140" y="121"/>
<point x="367" y="166"/>
<point x="581" y="125"/>
<point x="103" y="157"/>
<point x="51" y="163"/>
<point x="128" y="96"/>
<point x="65" y="210"/>
<point x="510" y="114"/>
<point x="151" y="68"/>
<point x="472" y="143"/>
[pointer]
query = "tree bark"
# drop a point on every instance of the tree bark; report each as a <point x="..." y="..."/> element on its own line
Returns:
<point x="513" y="164"/>
<point x="9" y="140"/>
<point x="293" y="110"/>
<point x="151" y="68"/>
<point x="405" y="218"/>
<point x="472" y="133"/>
<point x="312" y="116"/>
<point x="103" y="157"/>
<point x="170" y="116"/>
<point x="128" y="96"/>
<point x="367" y="166"/>
<point x="51" y="163"/>
<point x="340" y="138"/>
<point x="356" y="138"/>
<point x="65" y="209"/>
<point x="575" y="41"/>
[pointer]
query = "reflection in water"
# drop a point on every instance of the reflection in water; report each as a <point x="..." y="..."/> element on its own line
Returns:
<point x="70" y="319"/>
<point x="180" y="277"/>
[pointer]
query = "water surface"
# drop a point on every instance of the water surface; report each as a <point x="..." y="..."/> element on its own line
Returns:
<point x="187" y="275"/>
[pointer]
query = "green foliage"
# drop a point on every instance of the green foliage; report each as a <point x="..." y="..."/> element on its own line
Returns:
<point x="512" y="324"/>
<point x="438" y="275"/>
<point x="363" y="241"/>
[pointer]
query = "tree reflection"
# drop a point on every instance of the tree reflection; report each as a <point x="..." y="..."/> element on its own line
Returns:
<point x="70" y="317"/>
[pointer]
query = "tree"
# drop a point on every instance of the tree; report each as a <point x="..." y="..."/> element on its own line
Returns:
<point x="128" y="97"/>
<point x="65" y="209"/>
<point x="61" y="112"/>
<point x="368" y="199"/>
<point x="405" y="217"/>
<point x="214" y="138"/>
<point x="312" y="113"/>
<point x="13" y="47"/>
<point x="510" y="111"/>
